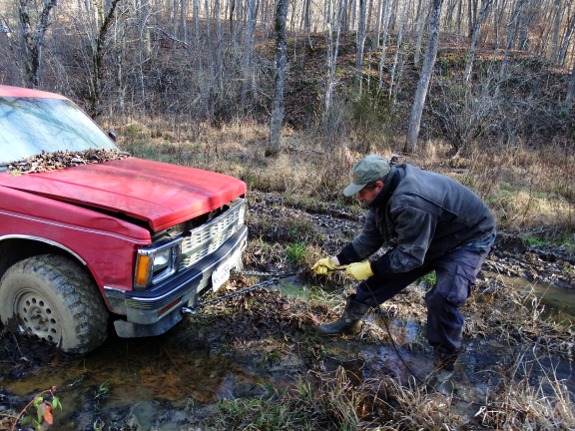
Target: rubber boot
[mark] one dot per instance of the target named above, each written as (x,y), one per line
(349,322)
(444,366)
(444,360)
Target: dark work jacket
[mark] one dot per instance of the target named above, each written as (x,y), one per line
(421,215)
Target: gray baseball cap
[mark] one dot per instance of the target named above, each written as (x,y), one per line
(367,170)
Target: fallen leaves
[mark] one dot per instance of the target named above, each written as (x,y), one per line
(47,162)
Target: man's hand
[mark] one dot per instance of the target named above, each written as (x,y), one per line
(360,270)
(325,266)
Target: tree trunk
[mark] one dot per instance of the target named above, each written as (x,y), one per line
(248,49)
(420,28)
(398,46)
(184,11)
(459,12)
(513,24)
(98,58)
(33,38)
(196,11)
(145,47)
(469,18)
(566,42)
(307,19)
(473,47)
(378,23)
(449,15)
(360,46)
(332,53)
(425,78)
(570,96)
(555,46)
(175,18)
(385,32)
(279,77)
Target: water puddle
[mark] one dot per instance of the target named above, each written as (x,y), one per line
(559,302)
(140,375)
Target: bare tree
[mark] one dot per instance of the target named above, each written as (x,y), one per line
(279,77)
(513,24)
(33,36)
(420,24)
(471,58)
(360,45)
(566,41)
(386,17)
(98,57)
(398,45)
(249,42)
(570,97)
(424,78)
(332,52)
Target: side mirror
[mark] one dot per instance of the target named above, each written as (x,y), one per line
(113,135)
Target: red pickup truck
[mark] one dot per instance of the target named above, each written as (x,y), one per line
(130,239)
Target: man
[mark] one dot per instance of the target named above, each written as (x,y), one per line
(431,223)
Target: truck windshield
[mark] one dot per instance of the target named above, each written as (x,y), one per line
(29,126)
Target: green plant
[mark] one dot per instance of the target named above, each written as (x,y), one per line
(429,280)
(271,357)
(535,241)
(98,425)
(101,394)
(297,254)
(44,403)
(132,129)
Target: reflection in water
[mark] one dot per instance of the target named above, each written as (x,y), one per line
(141,374)
(559,302)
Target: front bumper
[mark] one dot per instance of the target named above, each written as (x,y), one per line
(155,311)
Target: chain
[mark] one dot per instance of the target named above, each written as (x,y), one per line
(197,305)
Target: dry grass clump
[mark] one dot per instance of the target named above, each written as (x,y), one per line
(513,316)
(523,407)
(340,401)
(388,404)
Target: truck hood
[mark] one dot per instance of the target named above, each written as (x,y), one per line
(160,194)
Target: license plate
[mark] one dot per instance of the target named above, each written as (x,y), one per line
(220,276)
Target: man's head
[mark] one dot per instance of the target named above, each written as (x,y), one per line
(368,172)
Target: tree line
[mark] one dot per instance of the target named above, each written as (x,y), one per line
(196,60)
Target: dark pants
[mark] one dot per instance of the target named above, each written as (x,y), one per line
(455,271)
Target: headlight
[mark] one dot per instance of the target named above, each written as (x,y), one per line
(162,259)
(154,265)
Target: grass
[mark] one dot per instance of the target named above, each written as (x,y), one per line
(302,407)
(296,254)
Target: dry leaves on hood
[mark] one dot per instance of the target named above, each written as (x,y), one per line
(47,162)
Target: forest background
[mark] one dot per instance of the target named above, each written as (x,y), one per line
(334,79)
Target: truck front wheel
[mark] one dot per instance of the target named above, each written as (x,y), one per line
(54,299)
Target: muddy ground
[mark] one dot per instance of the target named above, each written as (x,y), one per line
(263,341)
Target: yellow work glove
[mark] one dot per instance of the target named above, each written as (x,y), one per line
(360,270)
(324,266)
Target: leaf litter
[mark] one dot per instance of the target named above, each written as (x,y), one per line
(47,162)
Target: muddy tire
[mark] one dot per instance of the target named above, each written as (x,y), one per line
(54,299)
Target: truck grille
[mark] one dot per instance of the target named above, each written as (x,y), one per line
(209,237)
